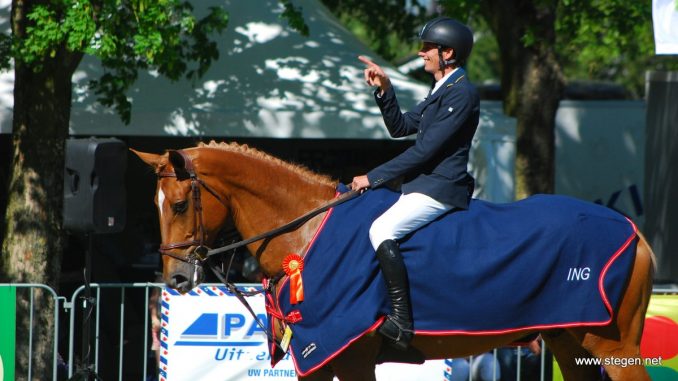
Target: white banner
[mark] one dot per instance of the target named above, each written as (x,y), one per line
(665,21)
(207,334)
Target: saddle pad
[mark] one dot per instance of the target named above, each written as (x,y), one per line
(544,262)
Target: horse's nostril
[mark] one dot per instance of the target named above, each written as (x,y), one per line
(179,282)
(178,279)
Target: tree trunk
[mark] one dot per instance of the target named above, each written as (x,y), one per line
(532,86)
(32,245)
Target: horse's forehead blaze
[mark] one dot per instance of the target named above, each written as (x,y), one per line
(167,191)
(160,200)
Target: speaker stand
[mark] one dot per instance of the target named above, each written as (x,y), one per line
(86,371)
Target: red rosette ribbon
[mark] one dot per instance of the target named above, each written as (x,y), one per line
(293,264)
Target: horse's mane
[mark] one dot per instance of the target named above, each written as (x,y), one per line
(253,152)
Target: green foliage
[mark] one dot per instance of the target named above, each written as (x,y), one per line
(127,35)
(609,40)
(484,64)
(5,51)
(52,26)
(597,40)
(460,9)
(389,27)
(159,35)
(294,17)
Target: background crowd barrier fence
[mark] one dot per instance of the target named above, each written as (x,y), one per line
(15,293)
(121,289)
(120,304)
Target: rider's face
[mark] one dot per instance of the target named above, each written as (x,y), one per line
(429,53)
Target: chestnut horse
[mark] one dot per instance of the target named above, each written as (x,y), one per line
(200,188)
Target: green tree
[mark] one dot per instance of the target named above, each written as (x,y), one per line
(531,83)
(609,41)
(543,42)
(47,42)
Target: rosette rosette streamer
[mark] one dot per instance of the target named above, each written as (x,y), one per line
(293,264)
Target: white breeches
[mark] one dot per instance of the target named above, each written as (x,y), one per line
(409,213)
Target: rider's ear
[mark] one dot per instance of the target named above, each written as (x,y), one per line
(179,163)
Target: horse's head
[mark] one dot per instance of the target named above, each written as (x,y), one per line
(191,214)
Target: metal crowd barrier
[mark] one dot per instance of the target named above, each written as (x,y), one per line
(31,306)
(97,288)
(496,373)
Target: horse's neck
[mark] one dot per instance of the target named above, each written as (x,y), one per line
(264,196)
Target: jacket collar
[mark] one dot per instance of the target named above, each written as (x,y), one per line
(457,76)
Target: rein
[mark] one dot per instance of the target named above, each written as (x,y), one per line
(288,227)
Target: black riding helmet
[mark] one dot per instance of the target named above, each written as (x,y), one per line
(448,33)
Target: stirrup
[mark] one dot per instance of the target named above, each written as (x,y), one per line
(397,335)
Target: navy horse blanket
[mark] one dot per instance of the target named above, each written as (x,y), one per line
(543,262)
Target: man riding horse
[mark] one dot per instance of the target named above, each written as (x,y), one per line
(330,331)
(434,167)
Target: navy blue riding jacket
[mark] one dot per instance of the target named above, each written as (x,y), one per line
(445,122)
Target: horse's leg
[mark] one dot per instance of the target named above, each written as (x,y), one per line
(621,359)
(618,345)
(357,362)
(566,349)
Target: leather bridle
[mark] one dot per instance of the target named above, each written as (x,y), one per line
(198,256)
(202,253)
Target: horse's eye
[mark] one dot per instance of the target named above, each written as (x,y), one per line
(180,207)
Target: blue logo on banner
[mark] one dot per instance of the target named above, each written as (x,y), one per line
(209,330)
(204,325)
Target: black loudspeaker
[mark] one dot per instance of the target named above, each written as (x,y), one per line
(94,185)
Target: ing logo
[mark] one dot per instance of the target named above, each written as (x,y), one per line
(578,273)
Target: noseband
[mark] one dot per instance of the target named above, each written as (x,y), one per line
(198,256)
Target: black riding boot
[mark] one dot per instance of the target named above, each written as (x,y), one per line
(398,325)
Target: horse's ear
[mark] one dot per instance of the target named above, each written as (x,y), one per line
(179,163)
(151,159)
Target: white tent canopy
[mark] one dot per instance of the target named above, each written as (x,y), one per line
(270,81)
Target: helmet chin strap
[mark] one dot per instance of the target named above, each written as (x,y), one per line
(442,64)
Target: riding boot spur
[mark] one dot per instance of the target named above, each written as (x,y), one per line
(397,327)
